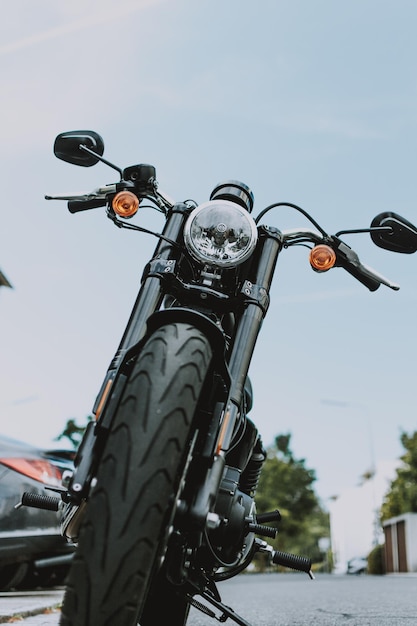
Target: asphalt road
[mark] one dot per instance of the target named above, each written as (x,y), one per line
(329,600)
(273,600)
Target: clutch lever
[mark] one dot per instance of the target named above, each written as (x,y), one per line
(101,192)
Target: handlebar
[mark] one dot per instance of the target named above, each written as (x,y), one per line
(365,276)
(98,198)
(346,257)
(349,260)
(74,206)
(83,202)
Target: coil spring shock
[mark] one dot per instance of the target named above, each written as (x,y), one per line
(250,476)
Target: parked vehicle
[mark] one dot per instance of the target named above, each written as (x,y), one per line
(357,565)
(161,504)
(32,550)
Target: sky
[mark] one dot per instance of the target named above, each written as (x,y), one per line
(313,103)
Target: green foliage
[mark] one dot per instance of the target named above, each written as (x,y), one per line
(73,432)
(287,484)
(402,496)
(376,561)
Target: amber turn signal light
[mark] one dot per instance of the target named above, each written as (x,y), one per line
(322,258)
(125,204)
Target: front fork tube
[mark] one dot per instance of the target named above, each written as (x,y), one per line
(147,302)
(256,303)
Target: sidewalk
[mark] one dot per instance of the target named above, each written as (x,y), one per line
(37,608)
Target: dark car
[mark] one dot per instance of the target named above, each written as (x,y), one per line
(33,553)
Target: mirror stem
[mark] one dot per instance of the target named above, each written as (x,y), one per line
(380,229)
(100,158)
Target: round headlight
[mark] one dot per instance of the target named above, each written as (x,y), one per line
(220,233)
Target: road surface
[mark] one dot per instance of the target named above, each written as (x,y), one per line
(273,600)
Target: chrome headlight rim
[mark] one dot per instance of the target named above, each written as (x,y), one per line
(225,206)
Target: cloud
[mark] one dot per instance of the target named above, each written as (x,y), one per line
(338,403)
(93,19)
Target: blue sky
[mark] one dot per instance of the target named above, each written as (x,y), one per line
(313,103)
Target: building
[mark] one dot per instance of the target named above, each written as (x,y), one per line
(401,543)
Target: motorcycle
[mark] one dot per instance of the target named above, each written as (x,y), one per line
(161,502)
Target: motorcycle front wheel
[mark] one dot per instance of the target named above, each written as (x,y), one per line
(124,532)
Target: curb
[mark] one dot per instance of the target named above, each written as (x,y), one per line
(16,607)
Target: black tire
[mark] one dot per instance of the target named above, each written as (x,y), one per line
(124,530)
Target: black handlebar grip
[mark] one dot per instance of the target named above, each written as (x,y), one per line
(361,274)
(349,260)
(74,206)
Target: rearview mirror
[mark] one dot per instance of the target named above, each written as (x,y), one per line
(67,147)
(402,236)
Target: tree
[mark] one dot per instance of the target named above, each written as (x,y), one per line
(287,484)
(402,496)
(73,432)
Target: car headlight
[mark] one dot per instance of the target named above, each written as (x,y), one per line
(220,233)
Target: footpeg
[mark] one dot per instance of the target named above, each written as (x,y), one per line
(264,531)
(300,563)
(272,516)
(258,527)
(38,501)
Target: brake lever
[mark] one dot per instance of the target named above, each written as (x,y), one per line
(101,192)
(382,279)
(349,260)
(89,196)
